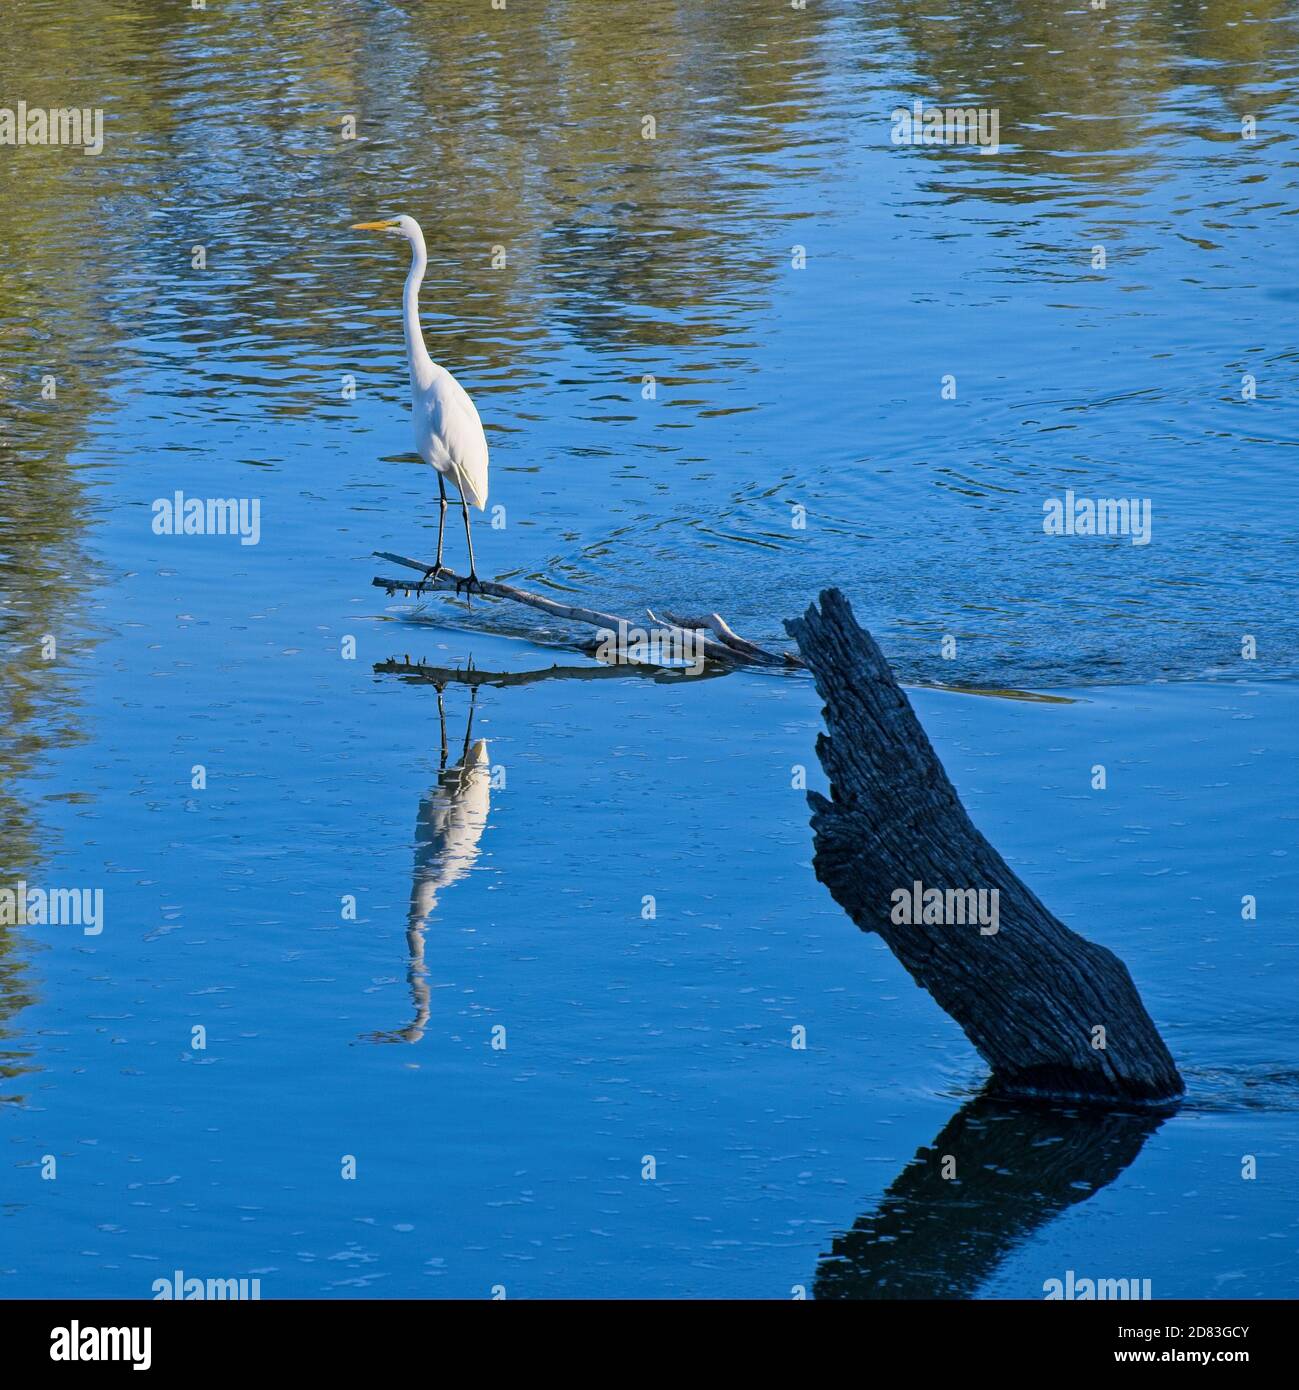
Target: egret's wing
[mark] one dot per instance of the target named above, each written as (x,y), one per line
(455,436)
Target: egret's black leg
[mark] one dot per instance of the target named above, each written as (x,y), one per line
(469,540)
(442,523)
(469,727)
(473,702)
(442,722)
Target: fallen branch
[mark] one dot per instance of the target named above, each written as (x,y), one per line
(689,634)
(1050,1012)
(721,629)
(421,673)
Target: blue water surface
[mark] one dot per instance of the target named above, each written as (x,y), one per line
(711,370)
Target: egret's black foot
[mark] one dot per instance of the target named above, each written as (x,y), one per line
(469,584)
(432,574)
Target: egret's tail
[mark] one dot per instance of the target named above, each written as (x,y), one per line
(473,490)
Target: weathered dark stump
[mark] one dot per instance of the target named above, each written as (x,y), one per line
(1032,996)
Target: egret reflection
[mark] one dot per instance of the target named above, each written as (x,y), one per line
(448,828)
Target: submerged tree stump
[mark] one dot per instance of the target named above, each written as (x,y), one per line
(1050,1012)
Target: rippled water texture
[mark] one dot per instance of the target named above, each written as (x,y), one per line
(711,368)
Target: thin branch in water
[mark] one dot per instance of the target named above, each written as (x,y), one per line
(689,635)
(419,672)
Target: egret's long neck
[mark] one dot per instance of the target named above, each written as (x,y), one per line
(421,364)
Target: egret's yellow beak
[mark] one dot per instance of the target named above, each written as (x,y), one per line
(374,226)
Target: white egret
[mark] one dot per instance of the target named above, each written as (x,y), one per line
(448,432)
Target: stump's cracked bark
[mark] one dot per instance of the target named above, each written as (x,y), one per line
(1030,996)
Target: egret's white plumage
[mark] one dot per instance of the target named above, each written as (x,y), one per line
(448,432)
(450,824)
